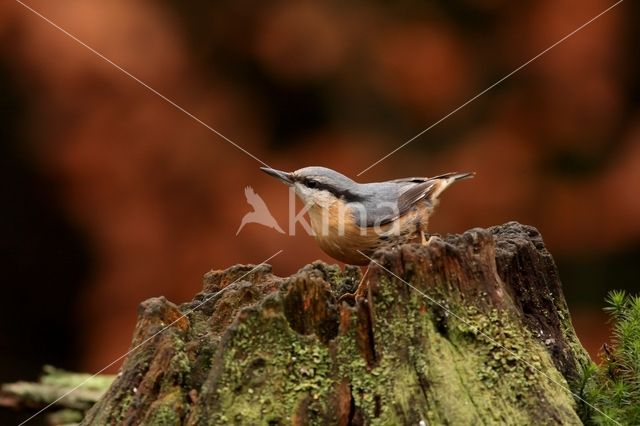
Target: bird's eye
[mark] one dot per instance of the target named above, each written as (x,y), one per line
(310,183)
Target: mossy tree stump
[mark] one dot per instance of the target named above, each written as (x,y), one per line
(483,337)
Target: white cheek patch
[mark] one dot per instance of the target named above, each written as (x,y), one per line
(302,192)
(323,199)
(314,196)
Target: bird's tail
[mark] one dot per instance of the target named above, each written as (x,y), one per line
(443,181)
(455,176)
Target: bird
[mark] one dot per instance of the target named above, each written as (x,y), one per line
(351,220)
(260,213)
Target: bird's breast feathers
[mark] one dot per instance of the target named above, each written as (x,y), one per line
(338,234)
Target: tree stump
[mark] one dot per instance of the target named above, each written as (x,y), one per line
(470,329)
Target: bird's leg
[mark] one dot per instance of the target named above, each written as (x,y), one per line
(361,289)
(420,231)
(421,227)
(359,293)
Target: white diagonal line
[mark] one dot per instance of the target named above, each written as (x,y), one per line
(188,312)
(142,83)
(493,85)
(494,341)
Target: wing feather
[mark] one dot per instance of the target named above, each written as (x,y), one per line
(414,194)
(396,197)
(399,197)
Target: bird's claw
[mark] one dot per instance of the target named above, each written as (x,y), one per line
(349,298)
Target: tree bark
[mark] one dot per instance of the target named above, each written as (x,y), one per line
(470,329)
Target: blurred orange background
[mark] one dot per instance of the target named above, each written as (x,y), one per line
(111,195)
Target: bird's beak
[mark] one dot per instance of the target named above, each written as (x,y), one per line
(283,176)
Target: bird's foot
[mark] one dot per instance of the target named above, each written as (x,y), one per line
(349,298)
(432,239)
(359,294)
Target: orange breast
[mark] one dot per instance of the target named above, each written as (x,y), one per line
(338,235)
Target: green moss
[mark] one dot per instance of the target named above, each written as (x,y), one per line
(124,406)
(65,416)
(341,281)
(353,368)
(504,346)
(62,378)
(447,368)
(502,367)
(180,365)
(450,364)
(390,392)
(164,416)
(167,410)
(268,370)
(198,324)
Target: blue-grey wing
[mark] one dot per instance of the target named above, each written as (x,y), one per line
(384,202)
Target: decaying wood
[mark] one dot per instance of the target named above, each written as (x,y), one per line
(471,329)
(61,387)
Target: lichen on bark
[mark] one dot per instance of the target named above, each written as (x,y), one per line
(470,329)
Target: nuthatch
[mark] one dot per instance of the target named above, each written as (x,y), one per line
(349,217)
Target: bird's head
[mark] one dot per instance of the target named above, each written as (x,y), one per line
(317,185)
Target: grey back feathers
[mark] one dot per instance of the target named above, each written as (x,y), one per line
(377,203)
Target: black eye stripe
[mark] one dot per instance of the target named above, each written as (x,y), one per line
(310,183)
(322,186)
